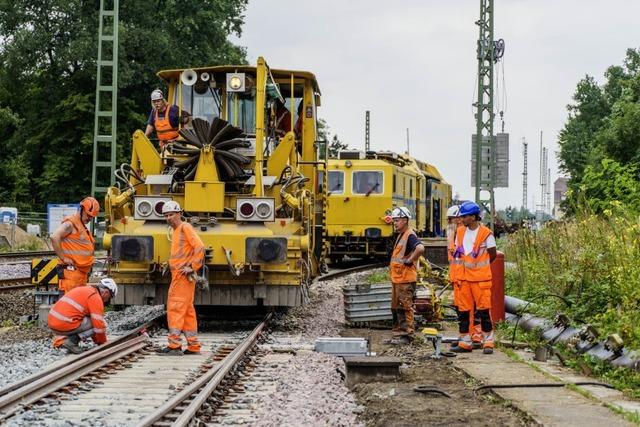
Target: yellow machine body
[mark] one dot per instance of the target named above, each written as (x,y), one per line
(363,189)
(265,260)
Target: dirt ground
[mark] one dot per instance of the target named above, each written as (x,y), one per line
(396,404)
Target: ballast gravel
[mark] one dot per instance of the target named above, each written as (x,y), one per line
(12,271)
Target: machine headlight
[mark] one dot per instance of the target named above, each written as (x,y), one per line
(158,207)
(144,208)
(263,210)
(235,82)
(246,209)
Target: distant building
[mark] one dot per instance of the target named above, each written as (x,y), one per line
(559,194)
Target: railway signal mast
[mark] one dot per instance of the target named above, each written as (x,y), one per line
(486,175)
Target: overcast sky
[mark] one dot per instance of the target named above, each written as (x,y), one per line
(412,63)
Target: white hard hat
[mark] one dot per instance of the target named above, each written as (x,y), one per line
(170,206)
(156,94)
(453,211)
(401,212)
(108,283)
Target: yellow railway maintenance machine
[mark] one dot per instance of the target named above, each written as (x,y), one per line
(362,190)
(244,171)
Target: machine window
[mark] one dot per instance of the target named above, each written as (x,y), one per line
(367,182)
(410,187)
(394,183)
(336,182)
(200,102)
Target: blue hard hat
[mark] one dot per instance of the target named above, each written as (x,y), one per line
(469,208)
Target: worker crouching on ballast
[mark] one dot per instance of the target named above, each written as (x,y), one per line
(79,315)
(187,256)
(406,252)
(476,248)
(73,243)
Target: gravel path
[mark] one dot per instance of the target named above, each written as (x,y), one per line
(14,270)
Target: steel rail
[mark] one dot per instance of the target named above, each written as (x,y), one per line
(77,357)
(347,271)
(31,393)
(7,285)
(202,388)
(26,254)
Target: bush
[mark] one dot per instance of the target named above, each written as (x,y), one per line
(591,261)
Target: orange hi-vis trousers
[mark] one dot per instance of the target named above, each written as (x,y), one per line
(475,297)
(73,279)
(181,314)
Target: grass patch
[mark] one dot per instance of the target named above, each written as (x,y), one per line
(378,277)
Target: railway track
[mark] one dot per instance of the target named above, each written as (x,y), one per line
(15,284)
(127,383)
(333,274)
(8,257)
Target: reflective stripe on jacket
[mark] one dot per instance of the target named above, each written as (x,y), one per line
(67,314)
(186,248)
(456,264)
(400,272)
(477,264)
(163,127)
(79,244)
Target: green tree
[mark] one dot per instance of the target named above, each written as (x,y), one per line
(47,80)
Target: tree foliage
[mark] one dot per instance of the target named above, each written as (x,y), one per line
(47,81)
(334,143)
(600,142)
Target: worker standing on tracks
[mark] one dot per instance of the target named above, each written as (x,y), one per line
(74,245)
(476,247)
(80,315)
(164,119)
(187,255)
(406,252)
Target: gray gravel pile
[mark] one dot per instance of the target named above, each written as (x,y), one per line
(310,392)
(324,315)
(15,304)
(10,271)
(25,358)
(131,317)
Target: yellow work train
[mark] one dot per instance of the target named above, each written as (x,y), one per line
(244,171)
(363,188)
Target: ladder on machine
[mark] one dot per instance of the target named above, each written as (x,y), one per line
(105,118)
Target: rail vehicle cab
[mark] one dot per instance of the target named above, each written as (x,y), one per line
(243,169)
(362,190)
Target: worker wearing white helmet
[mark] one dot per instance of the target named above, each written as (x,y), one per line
(406,252)
(79,315)
(164,119)
(187,256)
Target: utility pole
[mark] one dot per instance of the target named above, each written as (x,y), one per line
(106,111)
(407,141)
(525,175)
(367,141)
(488,53)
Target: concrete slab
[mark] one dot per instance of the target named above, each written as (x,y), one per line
(547,406)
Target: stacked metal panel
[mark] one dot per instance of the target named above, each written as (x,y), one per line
(367,302)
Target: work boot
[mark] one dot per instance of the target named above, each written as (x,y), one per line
(188,352)
(71,347)
(458,349)
(169,352)
(487,350)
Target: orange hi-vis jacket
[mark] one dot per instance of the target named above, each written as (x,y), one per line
(163,127)
(400,272)
(456,263)
(186,249)
(67,314)
(477,264)
(79,244)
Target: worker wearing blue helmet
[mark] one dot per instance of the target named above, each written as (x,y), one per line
(475,246)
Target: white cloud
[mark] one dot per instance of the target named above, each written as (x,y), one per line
(412,63)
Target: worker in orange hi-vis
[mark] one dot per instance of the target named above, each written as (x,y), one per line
(79,315)
(187,255)
(455,264)
(476,247)
(74,245)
